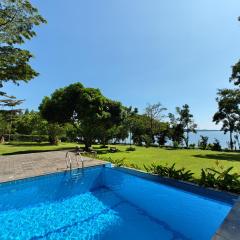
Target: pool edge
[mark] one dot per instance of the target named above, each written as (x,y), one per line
(229,228)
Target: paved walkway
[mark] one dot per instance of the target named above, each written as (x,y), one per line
(20,166)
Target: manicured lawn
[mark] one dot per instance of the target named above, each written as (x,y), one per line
(26,147)
(193,160)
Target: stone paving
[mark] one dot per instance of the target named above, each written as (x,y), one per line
(230,228)
(21,166)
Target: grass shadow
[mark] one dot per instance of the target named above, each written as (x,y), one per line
(220,156)
(28,144)
(34,151)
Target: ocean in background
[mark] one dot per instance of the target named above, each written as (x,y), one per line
(195,137)
(212,135)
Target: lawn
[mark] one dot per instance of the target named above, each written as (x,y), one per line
(193,160)
(29,147)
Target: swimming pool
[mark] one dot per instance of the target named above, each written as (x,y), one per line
(105,203)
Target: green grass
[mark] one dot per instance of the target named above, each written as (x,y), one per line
(193,160)
(26,147)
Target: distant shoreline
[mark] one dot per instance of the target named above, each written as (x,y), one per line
(209,130)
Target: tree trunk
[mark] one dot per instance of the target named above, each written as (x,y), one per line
(88,144)
(187,139)
(231,140)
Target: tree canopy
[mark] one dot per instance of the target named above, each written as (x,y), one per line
(17,21)
(228,111)
(86,108)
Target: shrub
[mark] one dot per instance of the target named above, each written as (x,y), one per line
(171,172)
(175,144)
(222,179)
(192,146)
(26,138)
(130,149)
(116,162)
(103,146)
(132,165)
(203,142)
(216,145)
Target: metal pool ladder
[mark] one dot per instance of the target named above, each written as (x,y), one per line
(77,155)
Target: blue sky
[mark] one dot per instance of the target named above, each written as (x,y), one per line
(137,52)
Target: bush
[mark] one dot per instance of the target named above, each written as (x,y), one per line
(26,138)
(192,146)
(103,146)
(222,179)
(171,172)
(132,165)
(203,142)
(216,146)
(175,144)
(129,149)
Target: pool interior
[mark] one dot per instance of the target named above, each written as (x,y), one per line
(104,203)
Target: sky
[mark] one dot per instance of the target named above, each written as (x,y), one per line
(138,52)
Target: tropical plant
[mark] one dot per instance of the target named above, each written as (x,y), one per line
(171,172)
(203,142)
(228,111)
(221,179)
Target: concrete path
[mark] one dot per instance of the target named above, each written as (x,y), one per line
(20,166)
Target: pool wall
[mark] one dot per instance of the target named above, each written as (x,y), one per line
(230,227)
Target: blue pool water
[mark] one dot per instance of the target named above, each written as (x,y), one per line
(104,203)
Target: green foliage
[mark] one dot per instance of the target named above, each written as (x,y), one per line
(216,146)
(192,146)
(228,111)
(176,132)
(203,142)
(17,20)
(235,77)
(54,132)
(116,162)
(221,179)
(86,108)
(27,138)
(31,123)
(130,149)
(171,172)
(154,115)
(175,144)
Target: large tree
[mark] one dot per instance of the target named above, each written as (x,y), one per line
(154,112)
(228,111)
(187,122)
(17,21)
(89,111)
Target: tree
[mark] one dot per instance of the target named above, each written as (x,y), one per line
(187,122)
(31,123)
(235,77)
(228,111)
(11,112)
(163,133)
(203,142)
(17,20)
(176,129)
(86,108)
(154,113)
(129,115)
